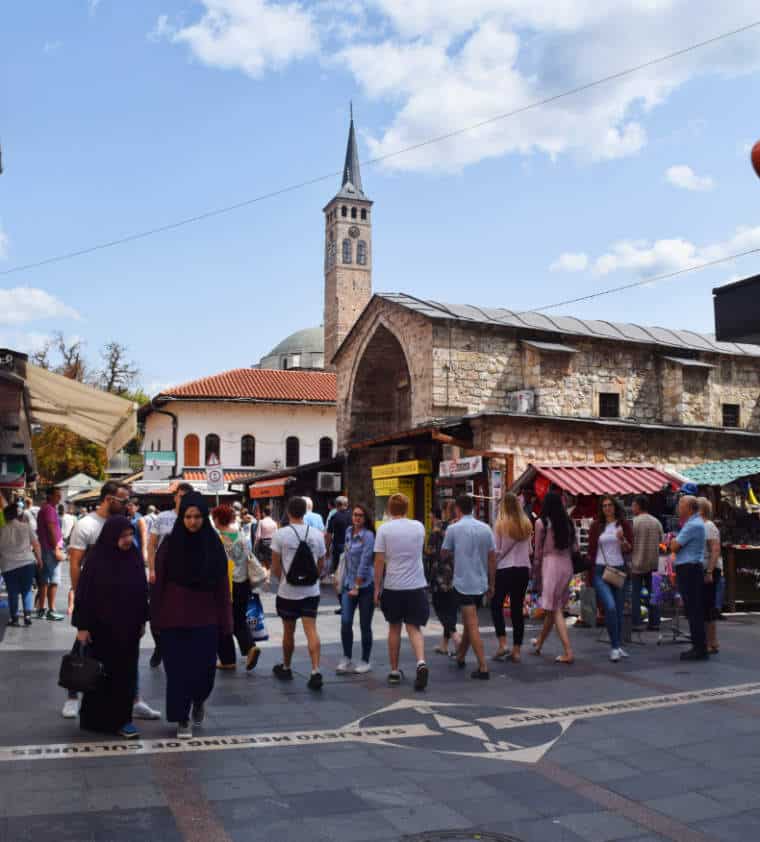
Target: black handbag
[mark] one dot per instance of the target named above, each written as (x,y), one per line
(580,563)
(80,672)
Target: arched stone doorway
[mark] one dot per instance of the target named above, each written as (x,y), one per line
(381,398)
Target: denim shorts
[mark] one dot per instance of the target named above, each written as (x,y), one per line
(51,568)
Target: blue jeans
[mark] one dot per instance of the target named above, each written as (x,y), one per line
(366,604)
(613,600)
(637,580)
(19,584)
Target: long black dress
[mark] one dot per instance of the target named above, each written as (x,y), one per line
(112,605)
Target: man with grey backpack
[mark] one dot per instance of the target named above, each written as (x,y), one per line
(298,557)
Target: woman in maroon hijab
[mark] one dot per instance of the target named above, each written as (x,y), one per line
(111,612)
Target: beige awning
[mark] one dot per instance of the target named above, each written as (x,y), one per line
(99,416)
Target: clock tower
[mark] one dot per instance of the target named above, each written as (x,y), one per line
(348,253)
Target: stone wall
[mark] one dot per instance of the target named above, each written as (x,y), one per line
(475,367)
(538,440)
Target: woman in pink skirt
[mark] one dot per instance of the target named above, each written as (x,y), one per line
(555,539)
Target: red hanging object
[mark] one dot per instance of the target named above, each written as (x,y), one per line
(755,157)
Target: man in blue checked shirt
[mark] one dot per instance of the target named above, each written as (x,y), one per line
(689,547)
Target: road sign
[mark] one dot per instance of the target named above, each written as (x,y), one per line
(214,475)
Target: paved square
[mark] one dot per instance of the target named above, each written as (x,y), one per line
(647,749)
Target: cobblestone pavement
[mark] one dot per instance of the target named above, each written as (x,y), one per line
(638,751)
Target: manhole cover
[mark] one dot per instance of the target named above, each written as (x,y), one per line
(460,836)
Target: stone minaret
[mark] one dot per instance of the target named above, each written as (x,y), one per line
(348,253)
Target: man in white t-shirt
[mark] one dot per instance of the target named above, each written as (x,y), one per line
(160,528)
(398,555)
(298,602)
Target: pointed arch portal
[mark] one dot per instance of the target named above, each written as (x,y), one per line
(381,399)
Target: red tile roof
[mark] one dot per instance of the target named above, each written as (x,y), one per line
(261,385)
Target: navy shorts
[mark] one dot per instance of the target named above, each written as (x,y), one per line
(410,607)
(469,599)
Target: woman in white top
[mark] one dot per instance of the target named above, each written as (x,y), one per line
(713,567)
(513,532)
(19,550)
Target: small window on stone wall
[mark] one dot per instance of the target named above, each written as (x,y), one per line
(726,372)
(694,380)
(609,405)
(731,414)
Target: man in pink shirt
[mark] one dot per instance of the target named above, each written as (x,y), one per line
(51,544)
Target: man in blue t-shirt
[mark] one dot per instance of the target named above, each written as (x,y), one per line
(471,545)
(689,547)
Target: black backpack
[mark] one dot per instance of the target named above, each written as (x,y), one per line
(303,571)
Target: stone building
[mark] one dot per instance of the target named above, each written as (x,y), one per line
(540,388)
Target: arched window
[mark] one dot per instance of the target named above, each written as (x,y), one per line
(344,211)
(248,451)
(325,448)
(292,452)
(353,213)
(364,213)
(346,251)
(192,451)
(212,446)
(361,253)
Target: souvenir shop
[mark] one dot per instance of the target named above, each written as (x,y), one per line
(733,487)
(582,486)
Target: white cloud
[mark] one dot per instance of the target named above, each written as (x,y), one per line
(50,47)
(447,64)
(442,65)
(27,304)
(247,35)
(570,262)
(684,177)
(667,255)
(25,341)
(4,244)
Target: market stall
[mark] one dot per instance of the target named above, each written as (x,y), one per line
(733,486)
(583,484)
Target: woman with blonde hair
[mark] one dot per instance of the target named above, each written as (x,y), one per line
(513,532)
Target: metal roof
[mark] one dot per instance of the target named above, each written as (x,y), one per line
(601,478)
(571,326)
(687,363)
(722,473)
(552,347)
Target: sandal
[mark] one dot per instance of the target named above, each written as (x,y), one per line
(500,655)
(439,651)
(515,657)
(713,650)
(536,647)
(564,659)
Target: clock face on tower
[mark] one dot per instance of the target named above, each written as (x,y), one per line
(353,231)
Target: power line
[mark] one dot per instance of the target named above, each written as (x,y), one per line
(140,235)
(694,268)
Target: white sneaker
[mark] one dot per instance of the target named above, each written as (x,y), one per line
(623,653)
(142,710)
(70,709)
(614,655)
(345,666)
(362,667)
(184,731)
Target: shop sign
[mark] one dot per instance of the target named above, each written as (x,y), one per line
(214,475)
(160,458)
(267,490)
(402,469)
(465,467)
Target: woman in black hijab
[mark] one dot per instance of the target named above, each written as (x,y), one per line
(190,605)
(111,612)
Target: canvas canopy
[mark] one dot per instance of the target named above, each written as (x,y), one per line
(99,416)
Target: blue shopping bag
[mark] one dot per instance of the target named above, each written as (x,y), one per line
(255,617)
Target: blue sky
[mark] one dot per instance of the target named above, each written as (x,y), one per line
(116,117)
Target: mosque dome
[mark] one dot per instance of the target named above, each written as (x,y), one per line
(302,349)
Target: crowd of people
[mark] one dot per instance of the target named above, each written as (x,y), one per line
(189,574)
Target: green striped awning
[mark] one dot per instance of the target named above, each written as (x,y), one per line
(721,473)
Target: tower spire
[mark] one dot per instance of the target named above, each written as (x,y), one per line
(351,170)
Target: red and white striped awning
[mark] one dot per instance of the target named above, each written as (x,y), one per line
(601,478)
